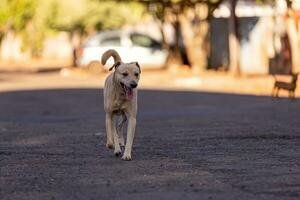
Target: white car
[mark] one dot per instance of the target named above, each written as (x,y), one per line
(132,46)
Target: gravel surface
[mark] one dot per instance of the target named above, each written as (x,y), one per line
(188,145)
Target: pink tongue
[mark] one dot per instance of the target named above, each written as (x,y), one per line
(128,93)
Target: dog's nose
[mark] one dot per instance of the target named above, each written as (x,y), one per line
(133,84)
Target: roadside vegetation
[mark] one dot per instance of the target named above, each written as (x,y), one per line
(34,20)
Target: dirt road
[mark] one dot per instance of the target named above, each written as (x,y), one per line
(188,145)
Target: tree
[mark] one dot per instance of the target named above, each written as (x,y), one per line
(34,20)
(192,17)
(189,19)
(234,44)
(25,18)
(15,15)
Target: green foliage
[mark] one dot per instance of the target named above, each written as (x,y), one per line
(160,7)
(111,14)
(271,2)
(4,15)
(93,14)
(70,15)
(16,13)
(35,19)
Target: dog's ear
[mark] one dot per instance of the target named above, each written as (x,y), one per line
(137,64)
(115,65)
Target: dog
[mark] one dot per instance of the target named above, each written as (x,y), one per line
(120,103)
(291,87)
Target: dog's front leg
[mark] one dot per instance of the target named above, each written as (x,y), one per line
(120,129)
(129,139)
(116,138)
(109,130)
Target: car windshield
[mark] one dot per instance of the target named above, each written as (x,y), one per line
(111,41)
(143,41)
(108,41)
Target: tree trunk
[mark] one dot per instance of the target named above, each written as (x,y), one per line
(234,44)
(195,35)
(160,24)
(175,56)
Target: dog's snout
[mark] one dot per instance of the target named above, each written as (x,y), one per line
(133,84)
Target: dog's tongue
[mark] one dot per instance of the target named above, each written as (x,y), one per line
(128,93)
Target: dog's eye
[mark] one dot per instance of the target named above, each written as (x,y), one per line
(125,74)
(136,74)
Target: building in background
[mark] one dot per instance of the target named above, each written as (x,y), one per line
(268,37)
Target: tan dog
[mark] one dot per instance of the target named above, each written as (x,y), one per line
(120,100)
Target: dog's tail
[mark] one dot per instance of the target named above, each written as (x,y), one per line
(107,54)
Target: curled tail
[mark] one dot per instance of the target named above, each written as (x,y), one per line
(107,54)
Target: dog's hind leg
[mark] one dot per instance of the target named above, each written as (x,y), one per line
(117,150)
(120,128)
(109,130)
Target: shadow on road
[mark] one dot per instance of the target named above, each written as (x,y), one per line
(187,144)
(33,71)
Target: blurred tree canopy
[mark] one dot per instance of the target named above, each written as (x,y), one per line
(89,15)
(189,19)
(35,19)
(16,14)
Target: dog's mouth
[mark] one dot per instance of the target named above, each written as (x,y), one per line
(128,91)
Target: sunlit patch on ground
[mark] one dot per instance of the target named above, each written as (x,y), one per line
(188,82)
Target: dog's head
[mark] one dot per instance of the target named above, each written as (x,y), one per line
(128,76)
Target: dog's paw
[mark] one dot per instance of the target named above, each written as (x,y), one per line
(118,153)
(110,145)
(126,157)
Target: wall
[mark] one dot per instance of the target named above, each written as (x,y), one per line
(256,44)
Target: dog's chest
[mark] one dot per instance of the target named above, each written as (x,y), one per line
(118,107)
